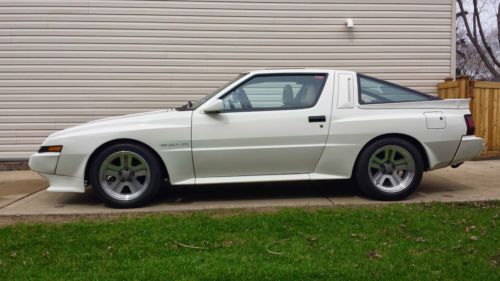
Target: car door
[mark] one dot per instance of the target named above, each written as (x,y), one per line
(271,124)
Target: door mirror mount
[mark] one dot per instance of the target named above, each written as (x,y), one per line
(215,107)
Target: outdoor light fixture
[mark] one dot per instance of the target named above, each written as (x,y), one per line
(349,23)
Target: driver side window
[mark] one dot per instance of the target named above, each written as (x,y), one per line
(283,91)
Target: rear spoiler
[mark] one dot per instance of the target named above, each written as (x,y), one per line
(431,104)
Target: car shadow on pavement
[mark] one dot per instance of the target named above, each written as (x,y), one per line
(332,190)
(179,195)
(255,191)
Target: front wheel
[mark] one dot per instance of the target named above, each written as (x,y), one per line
(389,169)
(126,175)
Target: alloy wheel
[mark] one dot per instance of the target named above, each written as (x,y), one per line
(391,168)
(124,175)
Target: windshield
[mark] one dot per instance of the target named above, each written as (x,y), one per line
(193,105)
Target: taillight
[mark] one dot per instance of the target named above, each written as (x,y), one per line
(470,124)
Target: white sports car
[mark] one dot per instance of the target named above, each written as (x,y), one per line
(270,125)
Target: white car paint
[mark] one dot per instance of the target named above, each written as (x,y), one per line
(201,148)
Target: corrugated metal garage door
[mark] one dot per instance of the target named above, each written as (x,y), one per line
(64,62)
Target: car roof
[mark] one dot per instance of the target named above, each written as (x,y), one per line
(294,70)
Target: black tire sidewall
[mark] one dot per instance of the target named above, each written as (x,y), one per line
(363,179)
(156,176)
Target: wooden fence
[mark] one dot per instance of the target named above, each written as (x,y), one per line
(484,105)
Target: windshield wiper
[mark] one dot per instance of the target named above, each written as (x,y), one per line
(186,106)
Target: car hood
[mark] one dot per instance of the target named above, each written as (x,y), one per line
(128,117)
(125,123)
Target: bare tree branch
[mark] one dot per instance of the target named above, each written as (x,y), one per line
(480,51)
(498,22)
(474,25)
(461,14)
(481,32)
(468,61)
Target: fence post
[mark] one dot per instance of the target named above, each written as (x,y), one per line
(463,87)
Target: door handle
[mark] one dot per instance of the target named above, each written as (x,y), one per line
(320,118)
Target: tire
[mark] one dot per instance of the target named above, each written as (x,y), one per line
(389,169)
(126,175)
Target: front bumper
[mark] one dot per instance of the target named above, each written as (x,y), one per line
(470,147)
(45,162)
(59,183)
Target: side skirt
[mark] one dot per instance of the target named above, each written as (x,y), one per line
(260,178)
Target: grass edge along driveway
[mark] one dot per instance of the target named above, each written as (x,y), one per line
(438,241)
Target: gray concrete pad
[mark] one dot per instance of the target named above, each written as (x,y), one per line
(15,185)
(474,181)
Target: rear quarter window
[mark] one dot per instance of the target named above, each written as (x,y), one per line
(373,90)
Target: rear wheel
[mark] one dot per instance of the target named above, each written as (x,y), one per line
(126,175)
(389,169)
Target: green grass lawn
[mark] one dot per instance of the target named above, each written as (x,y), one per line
(395,242)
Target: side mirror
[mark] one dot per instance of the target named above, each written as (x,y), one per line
(215,107)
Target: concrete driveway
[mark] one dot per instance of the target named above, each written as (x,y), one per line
(23,193)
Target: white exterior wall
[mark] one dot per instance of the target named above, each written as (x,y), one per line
(64,62)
